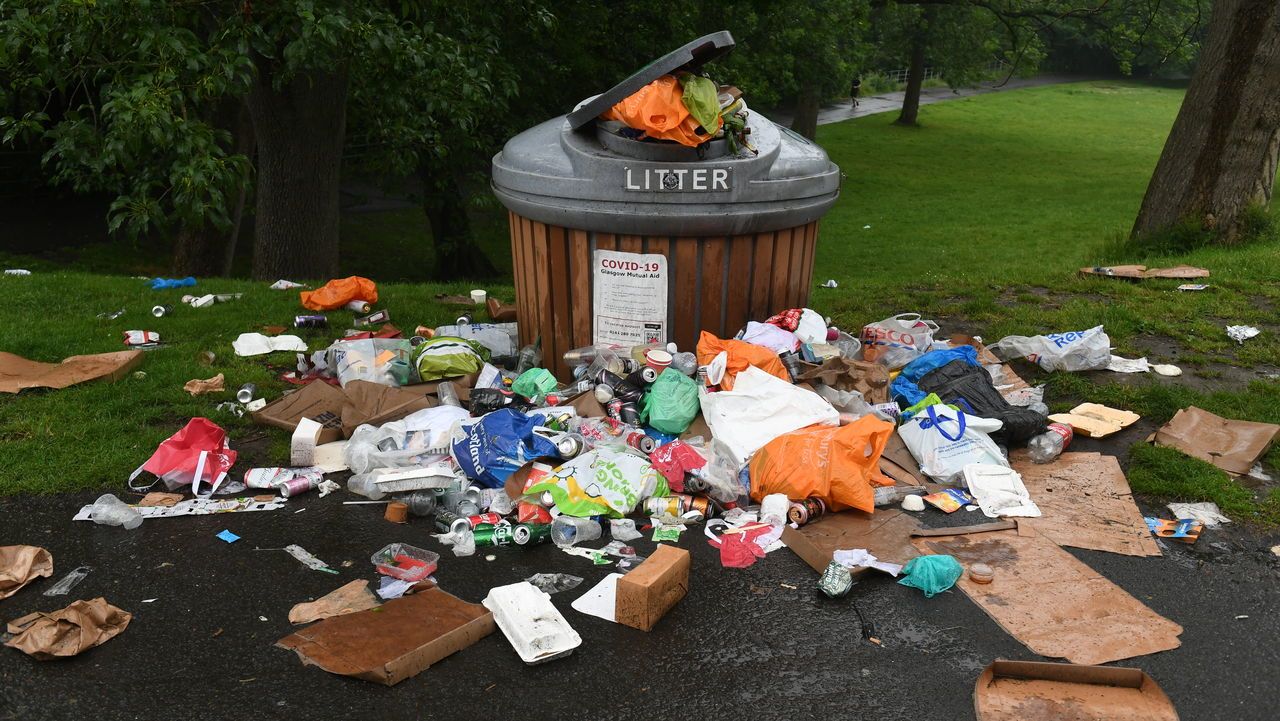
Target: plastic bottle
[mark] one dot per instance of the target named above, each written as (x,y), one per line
(111,511)
(421,503)
(891,495)
(530,357)
(1050,444)
(447,394)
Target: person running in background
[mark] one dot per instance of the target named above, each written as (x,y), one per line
(854,88)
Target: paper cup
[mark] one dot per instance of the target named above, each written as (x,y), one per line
(478,296)
(659,360)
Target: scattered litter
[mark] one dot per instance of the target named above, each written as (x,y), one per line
(197,454)
(1109,521)
(197,387)
(1207,513)
(999,491)
(195,507)
(253,344)
(111,511)
(913,503)
(168,283)
(1093,420)
(1085,350)
(535,629)
(351,598)
(20,565)
(17,271)
(1165,369)
(1128,365)
(1006,690)
(308,560)
(228,536)
(18,373)
(1241,333)
(111,315)
(68,582)
(860,558)
(1185,530)
(389,588)
(1234,446)
(830,284)
(601,601)
(649,591)
(283,284)
(69,631)
(931,574)
(395,641)
(153,600)
(1241,618)
(1142,272)
(550,583)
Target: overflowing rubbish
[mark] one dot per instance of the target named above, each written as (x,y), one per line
(18,373)
(20,565)
(69,631)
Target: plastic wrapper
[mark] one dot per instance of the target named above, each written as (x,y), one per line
(417,439)
(1074,351)
(377,360)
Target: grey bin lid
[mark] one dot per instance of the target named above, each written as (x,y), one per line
(562,172)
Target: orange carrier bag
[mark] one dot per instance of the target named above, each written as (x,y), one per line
(741,355)
(337,293)
(658,109)
(837,464)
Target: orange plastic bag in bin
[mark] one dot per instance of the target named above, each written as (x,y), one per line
(337,293)
(837,464)
(741,355)
(658,109)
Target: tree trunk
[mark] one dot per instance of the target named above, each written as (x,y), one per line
(457,256)
(807,105)
(915,75)
(206,250)
(1220,156)
(299,129)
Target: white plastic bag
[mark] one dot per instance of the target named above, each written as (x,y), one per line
(944,441)
(1085,350)
(369,359)
(420,438)
(896,341)
(761,407)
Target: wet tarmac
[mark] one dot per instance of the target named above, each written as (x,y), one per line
(758,642)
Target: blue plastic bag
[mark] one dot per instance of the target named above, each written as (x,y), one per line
(499,443)
(931,574)
(904,389)
(164,283)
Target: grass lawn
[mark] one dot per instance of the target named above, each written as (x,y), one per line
(979,219)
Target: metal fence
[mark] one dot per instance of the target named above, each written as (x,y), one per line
(900,76)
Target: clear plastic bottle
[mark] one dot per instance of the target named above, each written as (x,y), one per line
(1050,444)
(448,394)
(111,511)
(530,357)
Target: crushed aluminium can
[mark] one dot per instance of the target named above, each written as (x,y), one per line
(836,581)
(310,321)
(161,311)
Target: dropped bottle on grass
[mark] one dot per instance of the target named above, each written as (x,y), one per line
(1050,444)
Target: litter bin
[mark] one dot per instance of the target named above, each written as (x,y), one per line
(616,239)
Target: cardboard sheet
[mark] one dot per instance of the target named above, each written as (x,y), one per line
(375,404)
(317,400)
(198,387)
(869,379)
(897,463)
(1142,272)
(398,640)
(69,631)
(17,373)
(1086,503)
(353,597)
(1037,691)
(1233,446)
(20,565)
(1050,601)
(885,535)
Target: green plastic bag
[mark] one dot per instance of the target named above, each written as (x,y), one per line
(448,357)
(671,403)
(534,383)
(702,100)
(932,574)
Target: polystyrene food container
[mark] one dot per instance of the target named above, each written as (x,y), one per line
(405,562)
(534,627)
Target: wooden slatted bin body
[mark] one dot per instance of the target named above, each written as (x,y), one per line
(716,283)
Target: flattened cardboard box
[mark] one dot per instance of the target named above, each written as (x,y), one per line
(1033,690)
(886,534)
(17,373)
(652,588)
(395,641)
(317,400)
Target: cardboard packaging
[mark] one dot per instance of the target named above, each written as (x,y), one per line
(652,588)
(885,534)
(17,373)
(1036,691)
(1233,446)
(69,631)
(1092,420)
(1142,272)
(398,640)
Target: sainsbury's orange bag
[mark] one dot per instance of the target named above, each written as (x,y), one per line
(740,355)
(836,464)
(339,292)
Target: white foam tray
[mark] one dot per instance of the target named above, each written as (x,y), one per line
(536,630)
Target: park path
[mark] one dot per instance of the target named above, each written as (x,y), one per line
(892,102)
